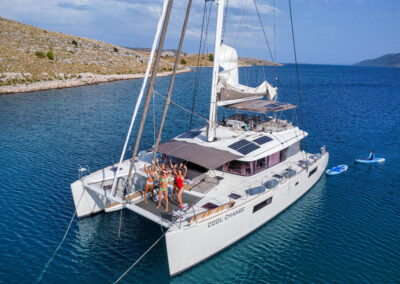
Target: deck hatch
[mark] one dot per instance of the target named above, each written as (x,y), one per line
(234,196)
(262,140)
(209,206)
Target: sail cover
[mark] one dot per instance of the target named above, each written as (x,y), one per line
(229,90)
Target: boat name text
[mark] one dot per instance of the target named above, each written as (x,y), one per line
(226,217)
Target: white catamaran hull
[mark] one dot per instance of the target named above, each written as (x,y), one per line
(187,248)
(86,202)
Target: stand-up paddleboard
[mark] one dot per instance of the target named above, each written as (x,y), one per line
(336,170)
(373,161)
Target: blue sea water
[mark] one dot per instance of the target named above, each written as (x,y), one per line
(346,229)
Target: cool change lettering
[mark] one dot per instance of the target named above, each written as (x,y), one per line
(226,217)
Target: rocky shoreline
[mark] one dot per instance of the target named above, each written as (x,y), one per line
(83,79)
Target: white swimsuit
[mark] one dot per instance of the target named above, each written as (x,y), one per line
(149,182)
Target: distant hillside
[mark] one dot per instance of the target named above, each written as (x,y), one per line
(388,60)
(29,54)
(205,59)
(34,59)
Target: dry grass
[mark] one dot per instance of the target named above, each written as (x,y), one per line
(19,62)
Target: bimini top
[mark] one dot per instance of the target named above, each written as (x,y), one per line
(262,106)
(207,157)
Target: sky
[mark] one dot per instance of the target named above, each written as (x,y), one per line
(326,31)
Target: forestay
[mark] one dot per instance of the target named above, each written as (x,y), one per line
(228,88)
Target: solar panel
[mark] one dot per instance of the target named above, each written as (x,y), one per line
(248,148)
(262,140)
(239,144)
(190,134)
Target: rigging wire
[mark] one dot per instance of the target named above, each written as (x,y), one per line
(274,30)
(270,52)
(183,108)
(243,9)
(274,62)
(242,13)
(140,258)
(225,19)
(199,61)
(62,241)
(149,249)
(297,68)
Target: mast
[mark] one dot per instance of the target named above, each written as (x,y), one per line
(171,85)
(213,101)
(150,89)
(149,63)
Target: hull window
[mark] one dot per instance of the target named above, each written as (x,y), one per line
(312,172)
(262,204)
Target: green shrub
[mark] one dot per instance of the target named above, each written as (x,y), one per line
(211,57)
(115,49)
(50,55)
(40,54)
(183,61)
(74,42)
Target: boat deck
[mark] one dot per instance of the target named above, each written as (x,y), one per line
(151,206)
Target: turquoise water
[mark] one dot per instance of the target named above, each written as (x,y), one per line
(346,229)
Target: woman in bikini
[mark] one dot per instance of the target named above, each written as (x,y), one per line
(164,178)
(174,168)
(179,178)
(149,170)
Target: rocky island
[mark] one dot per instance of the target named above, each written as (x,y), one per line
(34,59)
(388,60)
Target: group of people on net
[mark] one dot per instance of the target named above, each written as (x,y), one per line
(164,176)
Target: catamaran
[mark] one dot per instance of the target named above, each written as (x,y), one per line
(242,171)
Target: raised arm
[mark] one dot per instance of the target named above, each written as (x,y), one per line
(158,165)
(153,166)
(184,174)
(145,168)
(173,168)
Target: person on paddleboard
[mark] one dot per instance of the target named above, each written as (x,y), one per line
(371,155)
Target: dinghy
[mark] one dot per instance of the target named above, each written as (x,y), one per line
(336,170)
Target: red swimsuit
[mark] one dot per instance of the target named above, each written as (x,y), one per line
(179,182)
